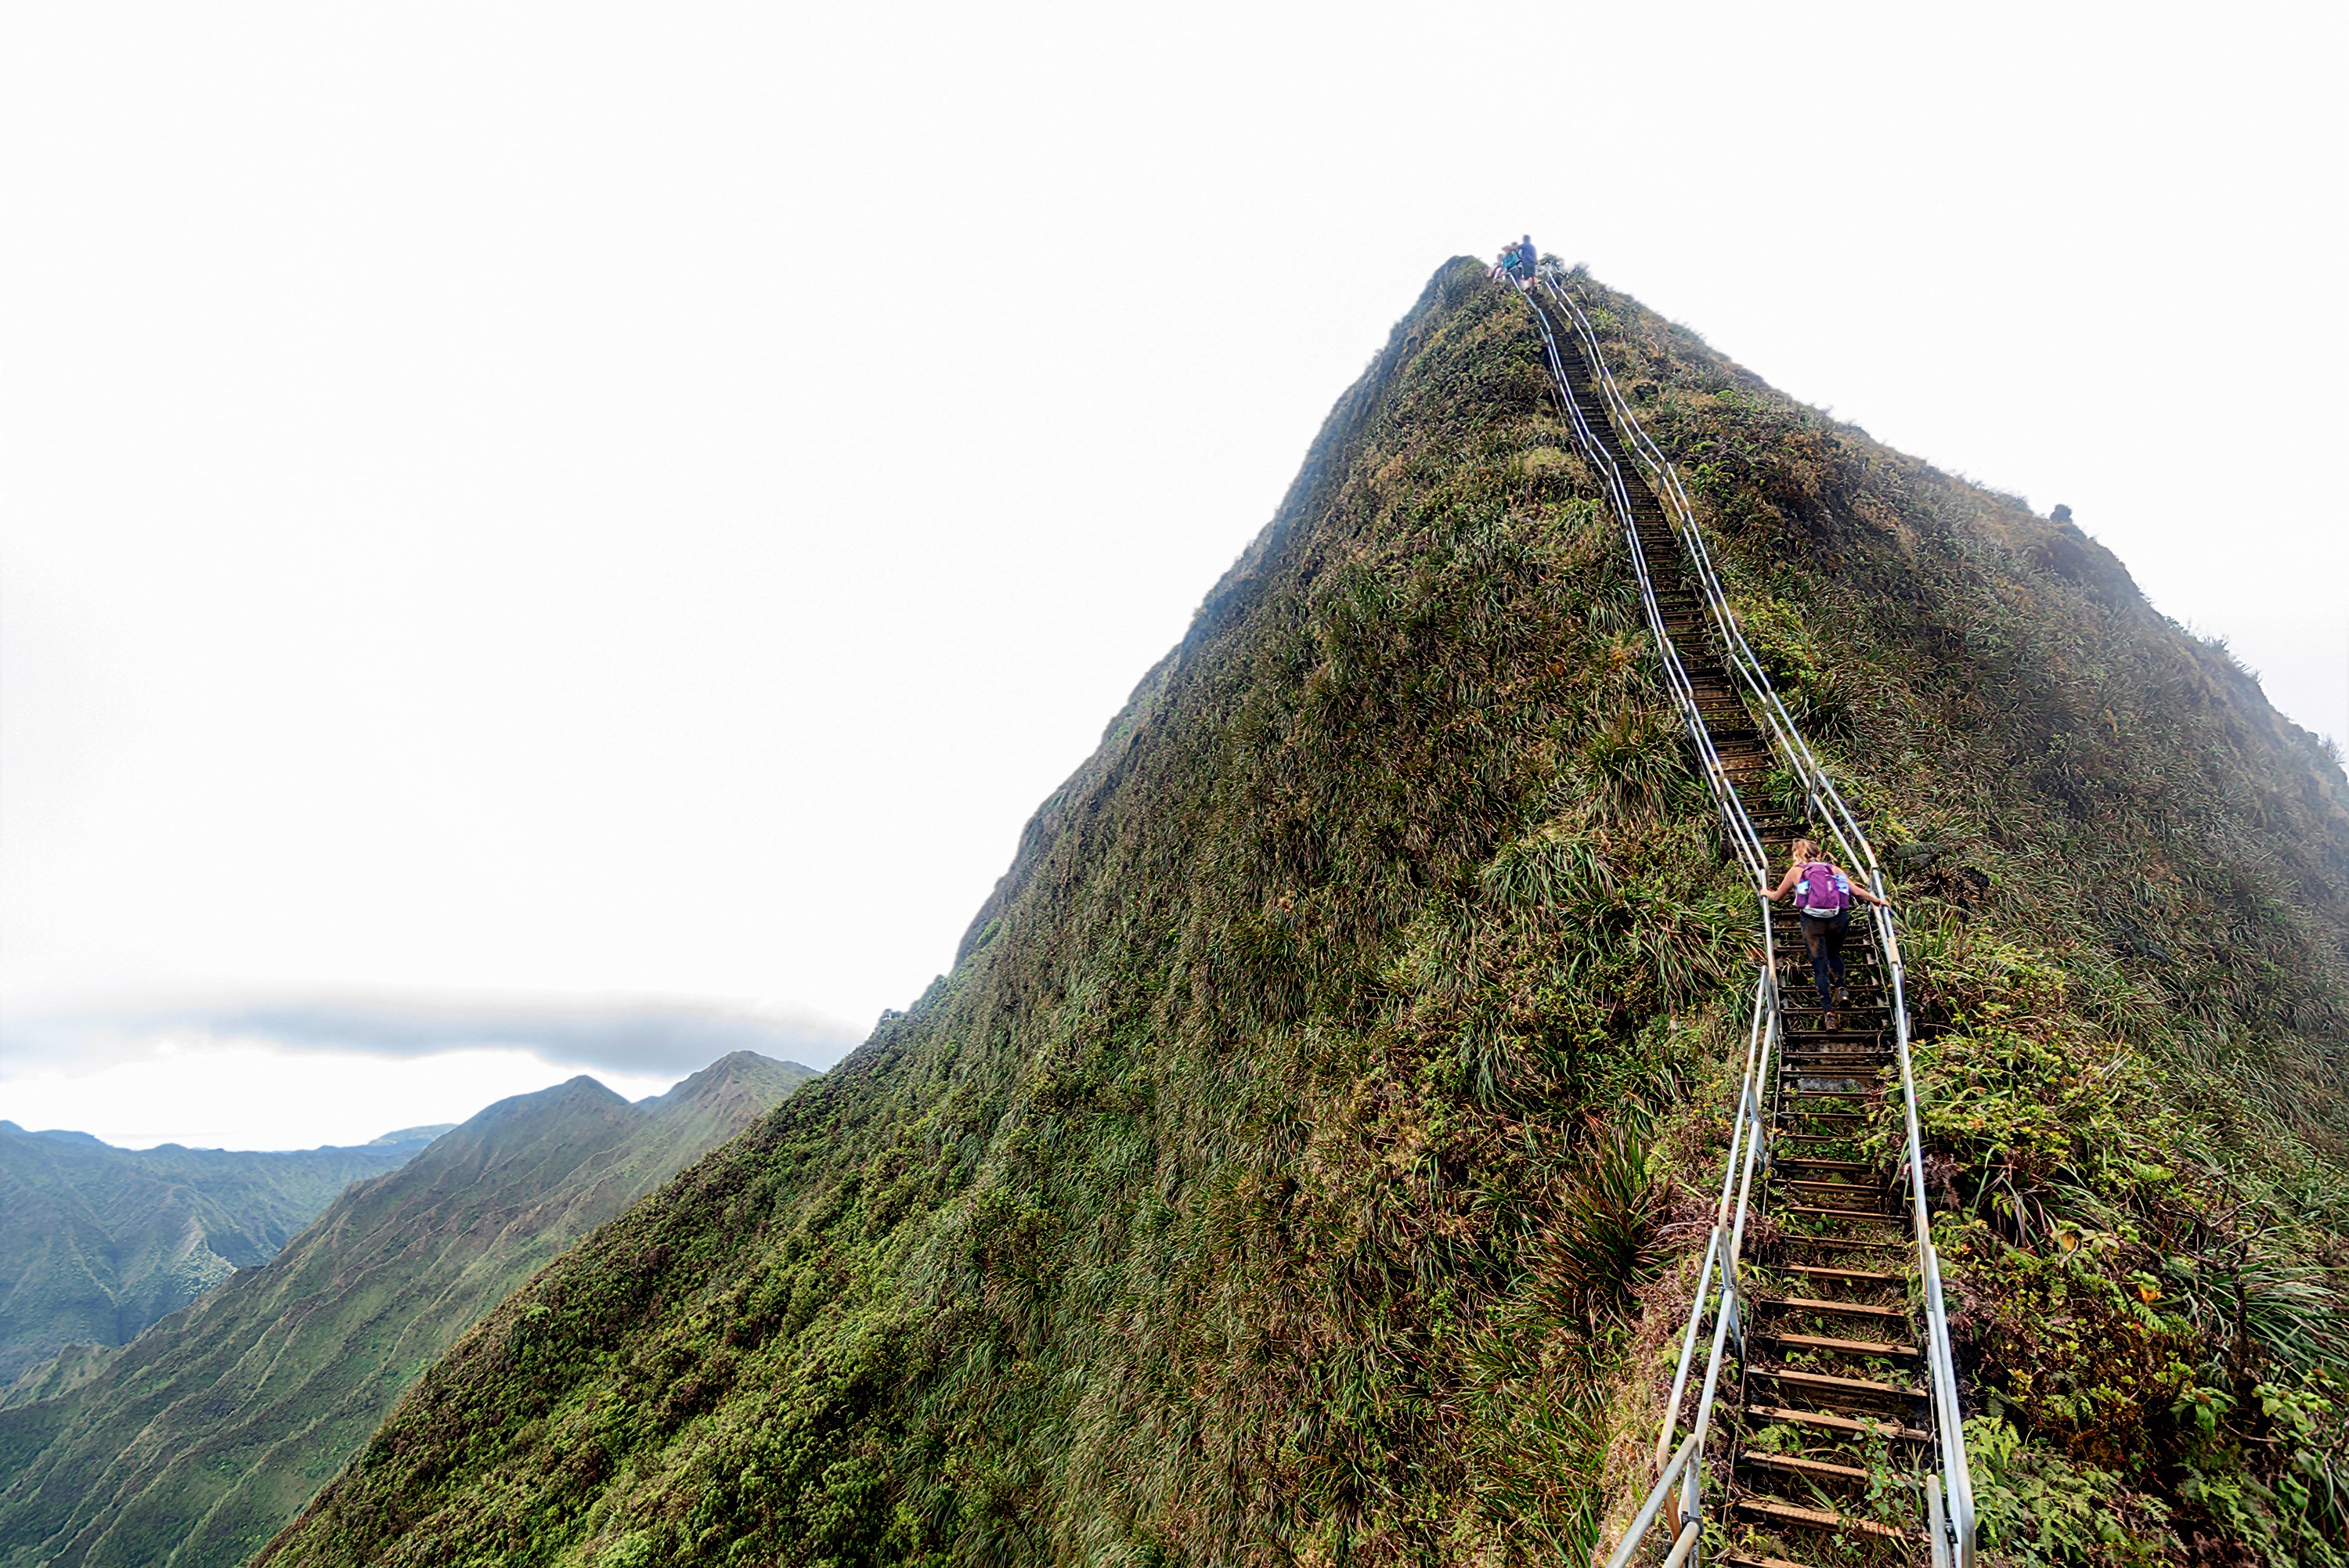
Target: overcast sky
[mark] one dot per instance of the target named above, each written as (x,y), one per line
(557,507)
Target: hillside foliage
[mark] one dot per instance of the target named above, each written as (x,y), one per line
(199,1440)
(97,1243)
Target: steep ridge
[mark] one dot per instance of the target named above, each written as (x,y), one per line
(1303,1160)
(97,1243)
(203,1437)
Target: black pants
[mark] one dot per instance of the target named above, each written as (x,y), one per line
(1824,935)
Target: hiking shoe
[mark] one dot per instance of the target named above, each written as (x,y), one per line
(1843,995)
(1831,1020)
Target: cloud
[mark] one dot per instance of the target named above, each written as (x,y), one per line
(641,1037)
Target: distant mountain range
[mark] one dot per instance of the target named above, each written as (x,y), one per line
(97,1243)
(196,1442)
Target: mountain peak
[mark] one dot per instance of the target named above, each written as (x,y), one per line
(733,1073)
(60,1134)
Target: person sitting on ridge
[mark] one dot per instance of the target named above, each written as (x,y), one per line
(1824,906)
(1507,267)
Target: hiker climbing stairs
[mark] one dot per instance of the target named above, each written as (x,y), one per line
(1832,1446)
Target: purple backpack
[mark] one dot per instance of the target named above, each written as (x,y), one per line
(1824,889)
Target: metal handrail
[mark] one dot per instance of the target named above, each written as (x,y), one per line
(1748,1126)
(1951,1527)
(1739,830)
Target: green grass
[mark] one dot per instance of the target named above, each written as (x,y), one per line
(1297,1165)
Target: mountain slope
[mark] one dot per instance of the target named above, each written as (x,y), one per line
(205,1434)
(1295,1166)
(97,1243)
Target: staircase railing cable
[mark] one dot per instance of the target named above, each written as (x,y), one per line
(1748,1124)
(1951,1502)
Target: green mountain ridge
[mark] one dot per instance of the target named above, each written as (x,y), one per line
(425,1134)
(200,1439)
(97,1241)
(1307,1157)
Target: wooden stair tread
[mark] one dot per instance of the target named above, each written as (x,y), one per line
(1843,1213)
(1840,1308)
(1838,1346)
(1824,1273)
(1828,1383)
(1847,1425)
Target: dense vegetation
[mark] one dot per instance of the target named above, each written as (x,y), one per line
(1296,1164)
(205,1435)
(97,1243)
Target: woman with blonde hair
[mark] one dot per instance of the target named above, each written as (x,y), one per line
(1824,906)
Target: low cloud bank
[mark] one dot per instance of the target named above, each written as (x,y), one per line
(655,1038)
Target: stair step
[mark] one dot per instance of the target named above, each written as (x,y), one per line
(1844,1387)
(1843,1244)
(1840,1272)
(1834,1189)
(1837,1347)
(1788,1462)
(1833,1308)
(1842,1426)
(1818,1519)
(1877,1215)
(1812,1163)
(1744,1560)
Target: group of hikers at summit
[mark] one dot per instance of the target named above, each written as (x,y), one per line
(1824,906)
(1519,262)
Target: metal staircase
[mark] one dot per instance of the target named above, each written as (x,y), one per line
(1827,1412)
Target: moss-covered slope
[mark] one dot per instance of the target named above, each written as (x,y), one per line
(1296,1164)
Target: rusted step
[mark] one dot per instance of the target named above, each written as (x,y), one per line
(1818,1519)
(1813,1163)
(1745,1559)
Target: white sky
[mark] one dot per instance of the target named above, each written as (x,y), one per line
(577,501)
